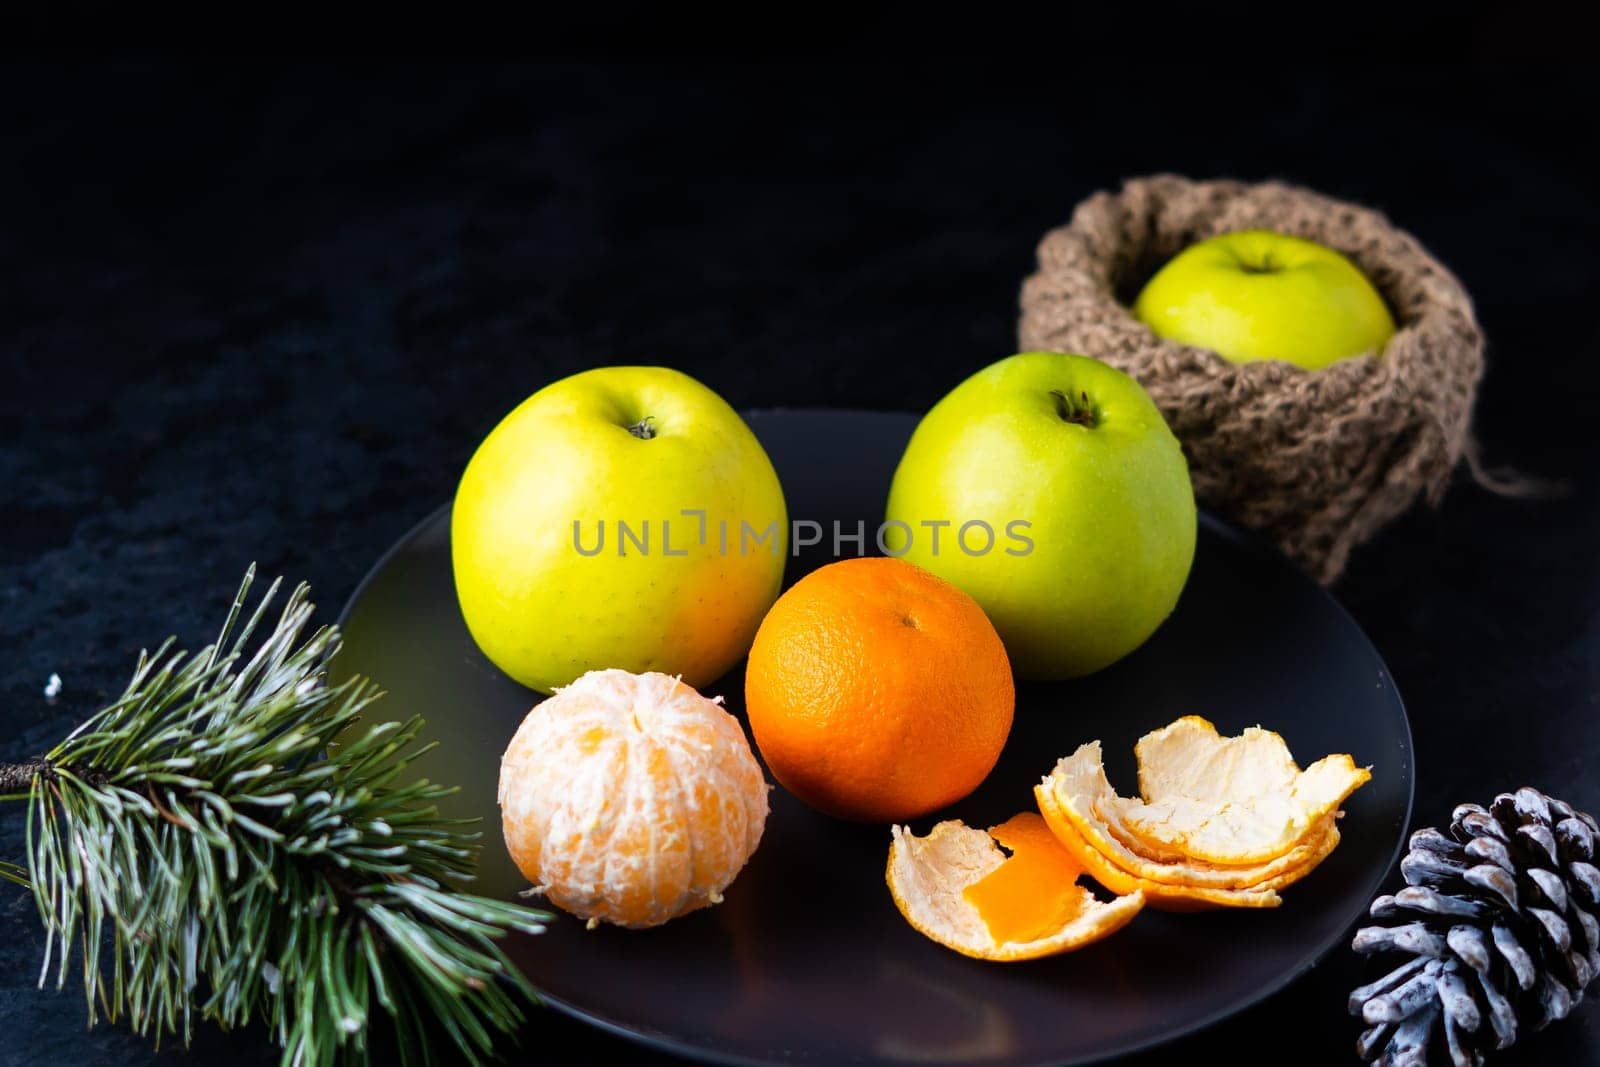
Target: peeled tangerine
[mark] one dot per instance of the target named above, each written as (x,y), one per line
(1222,821)
(957,887)
(630,798)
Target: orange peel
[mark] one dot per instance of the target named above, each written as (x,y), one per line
(1222,821)
(958,888)
(1160,895)
(1078,785)
(1230,800)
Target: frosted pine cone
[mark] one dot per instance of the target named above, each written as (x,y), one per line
(1495,932)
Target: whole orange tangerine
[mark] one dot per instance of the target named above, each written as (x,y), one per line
(630,798)
(878,692)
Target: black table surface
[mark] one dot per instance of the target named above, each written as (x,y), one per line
(254,312)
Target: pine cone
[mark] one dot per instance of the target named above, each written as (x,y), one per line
(1498,924)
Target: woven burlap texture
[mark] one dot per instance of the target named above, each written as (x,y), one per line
(1319,460)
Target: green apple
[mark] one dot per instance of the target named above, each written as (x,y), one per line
(1049,487)
(1255,295)
(622,517)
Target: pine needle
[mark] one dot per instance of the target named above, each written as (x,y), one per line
(245,851)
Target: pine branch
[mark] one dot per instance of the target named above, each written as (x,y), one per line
(16,779)
(255,856)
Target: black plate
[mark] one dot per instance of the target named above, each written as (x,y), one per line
(807,960)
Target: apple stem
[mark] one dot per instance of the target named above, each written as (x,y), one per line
(1075,410)
(644,429)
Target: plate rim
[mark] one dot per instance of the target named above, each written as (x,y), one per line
(1218,525)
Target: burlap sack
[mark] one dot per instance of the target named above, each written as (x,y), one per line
(1315,460)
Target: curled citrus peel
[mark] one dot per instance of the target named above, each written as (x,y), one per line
(1160,895)
(1223,822)
(1231,800)
(957,887)
(1079,787)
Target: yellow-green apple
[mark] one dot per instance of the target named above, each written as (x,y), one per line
(621,517)
(1256,294)
(1049,487)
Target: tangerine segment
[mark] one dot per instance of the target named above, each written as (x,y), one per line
(1035,891)
(1085,797)
(1160,895)
(929,878)
(1230,800)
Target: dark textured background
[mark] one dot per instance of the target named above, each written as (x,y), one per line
(258,312)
